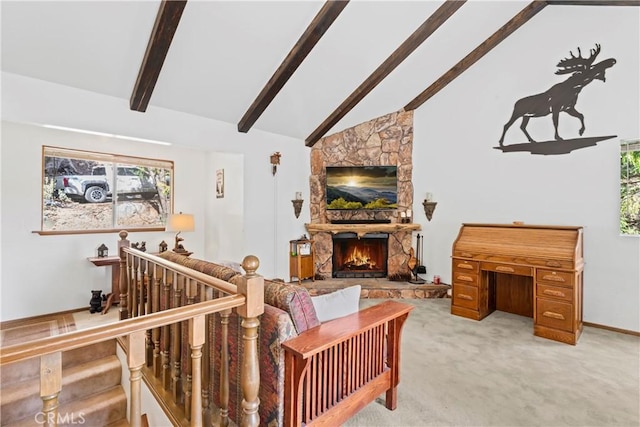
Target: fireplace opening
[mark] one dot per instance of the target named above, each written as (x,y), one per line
(364,257)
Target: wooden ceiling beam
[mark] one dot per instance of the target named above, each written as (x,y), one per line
(423,32)
(594,2)
(316,29)
(516,22)
(164,28)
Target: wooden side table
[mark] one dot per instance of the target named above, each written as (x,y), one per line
(301,260)
(114,262)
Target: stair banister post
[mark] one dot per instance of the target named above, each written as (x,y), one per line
(252,287)
(224,367)
(176,342)
(50,387)
(196,341)
(135,361)
(123,282)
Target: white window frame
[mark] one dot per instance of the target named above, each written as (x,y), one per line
(155,183)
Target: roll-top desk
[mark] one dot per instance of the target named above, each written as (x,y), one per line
(530,270)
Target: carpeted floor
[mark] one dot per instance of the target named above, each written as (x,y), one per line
(460,372)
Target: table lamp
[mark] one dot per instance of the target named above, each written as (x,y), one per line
(180,222)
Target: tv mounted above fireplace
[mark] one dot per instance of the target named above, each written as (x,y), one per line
(362,187)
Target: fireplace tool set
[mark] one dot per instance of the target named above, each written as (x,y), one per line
(415,262)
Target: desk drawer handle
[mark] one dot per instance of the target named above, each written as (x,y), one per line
(465,296)
(553,264)
(465,278)
(466,254)
(503,268)
(553,277)
(554,293)
(466,266)
(553,315)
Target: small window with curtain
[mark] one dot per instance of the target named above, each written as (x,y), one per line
(83,191)
(630,187)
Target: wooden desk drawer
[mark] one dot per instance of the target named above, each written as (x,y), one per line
(554,314)
(466,278)
(464,265)
(465,296)
(519,270)
(554,292)
(554,277)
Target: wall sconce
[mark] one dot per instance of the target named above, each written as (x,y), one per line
(429,207)
(297,204)
(180,222)
(275,161)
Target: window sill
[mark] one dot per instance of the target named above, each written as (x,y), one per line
(106,230)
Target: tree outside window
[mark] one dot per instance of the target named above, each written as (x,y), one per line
(630,187)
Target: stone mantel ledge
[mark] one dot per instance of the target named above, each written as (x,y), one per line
(361,229)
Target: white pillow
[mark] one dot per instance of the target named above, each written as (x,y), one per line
(230,264)
(337,304)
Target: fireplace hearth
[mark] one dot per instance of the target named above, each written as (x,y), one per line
(355,257)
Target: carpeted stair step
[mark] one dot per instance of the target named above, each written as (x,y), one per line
(30,369)
(101,409)
(22,400)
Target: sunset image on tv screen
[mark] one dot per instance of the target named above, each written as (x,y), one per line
(363,187)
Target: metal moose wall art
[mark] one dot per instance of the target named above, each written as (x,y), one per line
(561,97)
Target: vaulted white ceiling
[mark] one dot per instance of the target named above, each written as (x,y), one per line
(224,52)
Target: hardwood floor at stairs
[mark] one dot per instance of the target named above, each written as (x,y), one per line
(91,390)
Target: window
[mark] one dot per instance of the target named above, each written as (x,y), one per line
(80,192)
(630,187)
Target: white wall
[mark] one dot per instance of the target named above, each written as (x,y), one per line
(225,228)
(55,269)
(454,156)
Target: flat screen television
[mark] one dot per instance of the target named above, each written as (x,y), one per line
(362,187)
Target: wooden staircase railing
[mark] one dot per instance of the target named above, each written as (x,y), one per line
(154,285)
(159,329)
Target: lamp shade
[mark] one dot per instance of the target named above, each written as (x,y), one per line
(180,222)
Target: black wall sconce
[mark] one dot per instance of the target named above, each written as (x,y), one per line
(429,207)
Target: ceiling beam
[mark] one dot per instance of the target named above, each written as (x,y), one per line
(164,28)
(423,32)
(298,53)
(516,22)
(594,2)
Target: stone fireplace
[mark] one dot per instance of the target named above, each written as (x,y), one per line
(359,257)
(387,140)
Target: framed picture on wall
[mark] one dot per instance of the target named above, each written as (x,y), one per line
(220,183)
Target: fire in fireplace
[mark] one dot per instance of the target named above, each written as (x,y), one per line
(364,257)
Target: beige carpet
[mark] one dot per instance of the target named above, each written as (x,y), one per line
(460,372)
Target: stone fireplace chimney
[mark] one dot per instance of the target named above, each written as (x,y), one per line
(385,141)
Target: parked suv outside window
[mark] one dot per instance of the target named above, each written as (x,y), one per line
(131,181)
(95,188)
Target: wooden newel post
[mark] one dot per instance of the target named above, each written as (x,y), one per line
(50,387)
(122,283)
(252,287)
(136,360)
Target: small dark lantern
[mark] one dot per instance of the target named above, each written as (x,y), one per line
(103,251)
